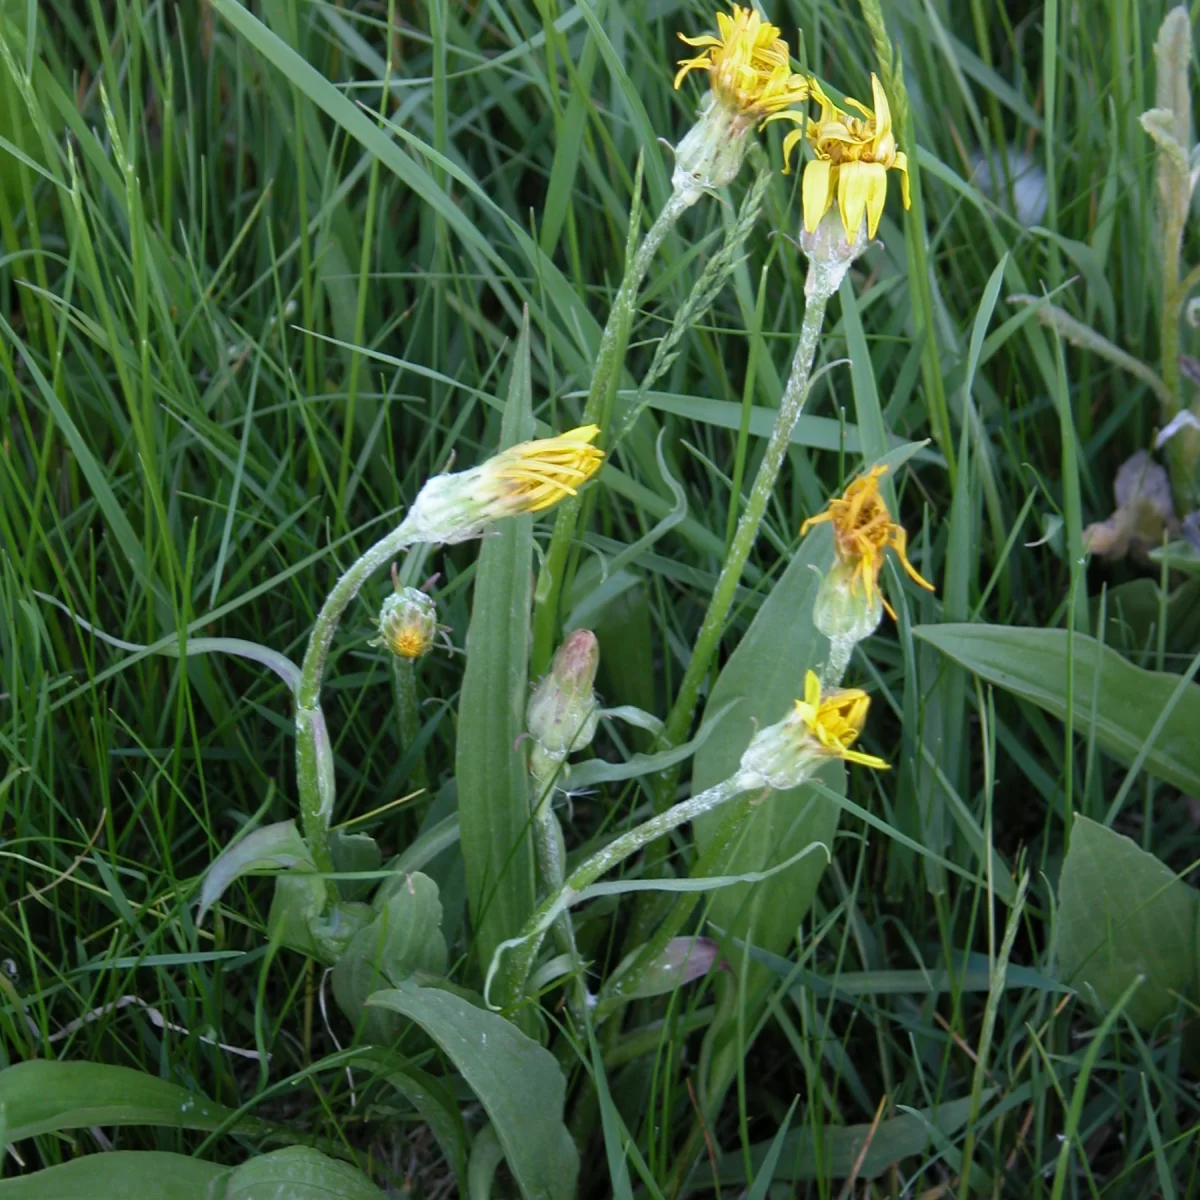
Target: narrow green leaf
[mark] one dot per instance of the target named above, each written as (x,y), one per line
(517,1082)
(895,1139)
(766,674)
(1147,716)
(493,782)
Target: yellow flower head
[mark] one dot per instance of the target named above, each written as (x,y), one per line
(525,478)
(851,158)
(862,529)
(536,475)
(835,719)
(748,65)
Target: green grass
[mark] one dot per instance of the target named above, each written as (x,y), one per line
(242,319)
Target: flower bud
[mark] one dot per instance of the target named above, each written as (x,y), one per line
(407,623)
(844,610)
(563,713)
(830,253)
(712,151)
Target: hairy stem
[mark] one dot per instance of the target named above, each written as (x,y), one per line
(314,754)
(408,715)
(609,360)
(709,637)
(523,949)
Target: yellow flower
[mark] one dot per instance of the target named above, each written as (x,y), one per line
(835,719)
(525,478)
(748,65)
(536,475)
(862,529)
(852,156)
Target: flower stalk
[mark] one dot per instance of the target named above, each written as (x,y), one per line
(528,477)
(707,640)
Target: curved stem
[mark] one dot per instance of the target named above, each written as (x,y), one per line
(609,359)
(709,637)
(524,948)
(615,992)
(314,754)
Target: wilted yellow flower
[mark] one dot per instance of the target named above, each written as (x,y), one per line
(852,156)
(862,529)
(536,475)
(835,719)
(748,65)
(525,478)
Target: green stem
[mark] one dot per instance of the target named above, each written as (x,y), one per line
(314,754)
(609,360)
(615,992)
(707,640)
(524,948)
(408,715)
(551,856)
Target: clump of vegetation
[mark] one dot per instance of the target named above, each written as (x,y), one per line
(771,767)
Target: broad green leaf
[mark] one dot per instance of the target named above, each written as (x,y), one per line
(1182,556)
(895,1139)
(298,1173)
(44,1096)
(493,782)
(120,1175)
(354,852)
(300,920)
(516,1080)
(1150,715)
(405,937)
(1123,913)
(766,674)
(273,847)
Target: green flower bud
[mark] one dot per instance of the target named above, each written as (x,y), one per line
(845,610)
(712,151)
(563,713)
(407,623)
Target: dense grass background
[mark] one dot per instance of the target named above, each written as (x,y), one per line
(238,330)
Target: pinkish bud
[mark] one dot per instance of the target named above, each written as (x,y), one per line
(683,960)
(563,712)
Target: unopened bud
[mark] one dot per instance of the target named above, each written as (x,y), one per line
(830,253)
(846,609)
(682,961)
(563,713)
(407,623)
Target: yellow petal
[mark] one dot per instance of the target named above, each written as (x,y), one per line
(865,760)
(883,115)
(816,189)
(876,175)
(705,39)
(853,190)
(812,690)
(789,144)
(901,164)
